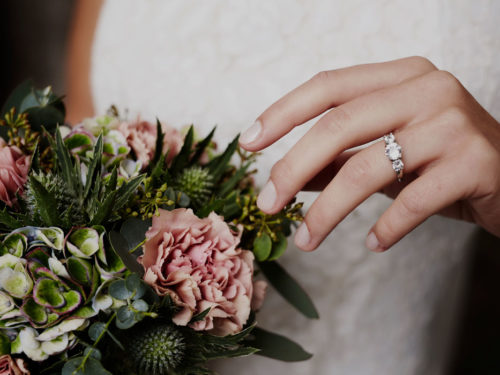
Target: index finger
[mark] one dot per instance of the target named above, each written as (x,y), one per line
(327,90)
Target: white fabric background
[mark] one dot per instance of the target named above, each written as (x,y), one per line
(223,62)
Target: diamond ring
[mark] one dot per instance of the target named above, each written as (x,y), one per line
(393,152)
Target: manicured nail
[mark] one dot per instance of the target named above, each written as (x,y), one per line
(302,236)
(373,244)
(251,133)
(267,197)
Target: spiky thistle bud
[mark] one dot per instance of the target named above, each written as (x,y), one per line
(196,183)
(157,349)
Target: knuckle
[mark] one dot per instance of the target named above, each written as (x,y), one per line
(324,76)
(357,170)
(411,204)
(281,171)
(422,64)
(457,123)
(444,83)
(336,121)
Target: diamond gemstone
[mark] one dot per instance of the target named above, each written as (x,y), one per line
(393,151)
(389,138)
(397,165)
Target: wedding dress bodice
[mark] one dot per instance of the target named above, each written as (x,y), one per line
(223,62)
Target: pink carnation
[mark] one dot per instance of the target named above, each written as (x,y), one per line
(14,167)
(141,136)
(11,366)
(197,262)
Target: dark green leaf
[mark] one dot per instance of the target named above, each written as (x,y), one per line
(91,367)
(17,96)
(182,158)
(217,166)
(200,316)
(215,205)
(120,246)
(105,209)
(232,353)
(96,330)
(262,246)
(201,146)
(94,167)
(64,161)
(134,231)
(93,352)
(277,347)
(126,190)
(8,220)
(279,247)
(45,202)
(289,288)
(119,290)
(228,185)
(159,143)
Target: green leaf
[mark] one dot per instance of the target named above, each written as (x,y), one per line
(16,97)
(159,143)
(126,190)
(134,231)
(289,288)
(217,166)
(181,159)
(34,311)
(232,353)
(8,220)
(93,352)
(277,347)
(4,344)
(96,329)
(120,246)
(279,247)
(64,161)
(94,167)
(227,186)
(201,146)
(119,290)
(124,313)
(200,316)
(92,366)
(135,285)
(45,202)
(140,305)
(105,209)
(262,247)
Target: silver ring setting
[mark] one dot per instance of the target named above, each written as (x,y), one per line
(394,153)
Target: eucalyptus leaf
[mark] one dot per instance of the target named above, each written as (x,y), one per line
(96,329)
(262,246)
(289,288)
(119,290)
(120,246)
(134,231)
(91,367)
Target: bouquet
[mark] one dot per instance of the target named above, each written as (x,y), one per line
(129,247)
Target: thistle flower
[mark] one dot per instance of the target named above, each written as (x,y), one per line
(157,349)
(196,183)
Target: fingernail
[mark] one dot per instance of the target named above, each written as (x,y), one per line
(302,236)
(251,133)
(267,197)
(373,244)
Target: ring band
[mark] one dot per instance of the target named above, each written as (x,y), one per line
(394,153)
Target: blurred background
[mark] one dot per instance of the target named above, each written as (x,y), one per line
(33,38)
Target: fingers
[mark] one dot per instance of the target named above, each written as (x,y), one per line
(365,173)
(326,90)
(427,195)
(351,124)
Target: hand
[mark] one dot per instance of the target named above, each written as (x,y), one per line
(450,144)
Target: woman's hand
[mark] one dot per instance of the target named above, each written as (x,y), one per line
(450,144)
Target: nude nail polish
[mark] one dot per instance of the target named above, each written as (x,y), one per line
(302,236)
(267,197)
(252,133)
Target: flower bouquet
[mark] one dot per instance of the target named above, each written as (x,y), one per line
(129,248)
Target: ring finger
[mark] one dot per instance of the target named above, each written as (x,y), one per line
(366,173)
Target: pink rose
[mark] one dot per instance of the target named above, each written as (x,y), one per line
(141,136)
(14,167)
(198,264)
(10,366)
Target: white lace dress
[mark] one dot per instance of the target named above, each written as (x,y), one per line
(223,62)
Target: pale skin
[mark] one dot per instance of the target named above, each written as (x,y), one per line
(451,145)
(451,150)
